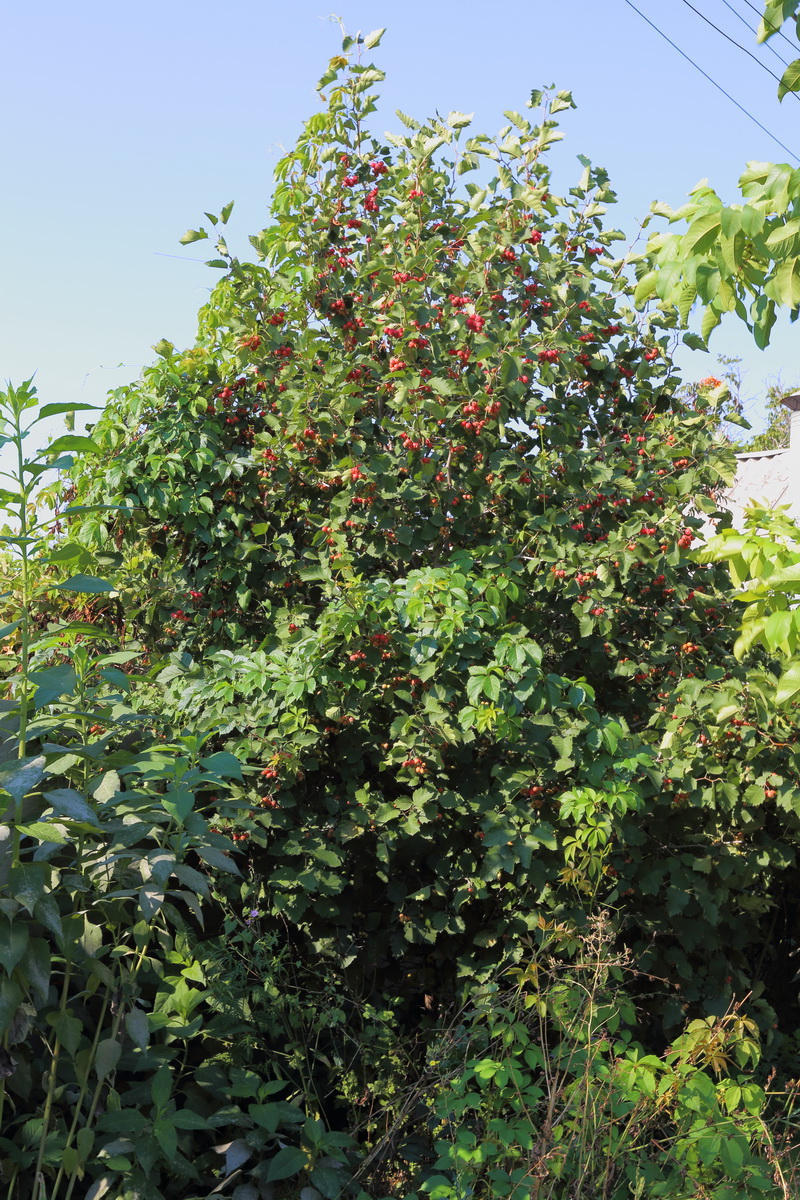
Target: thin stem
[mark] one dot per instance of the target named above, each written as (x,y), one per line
(82,1095)
(12,1181)
(24,626)
(38,1186)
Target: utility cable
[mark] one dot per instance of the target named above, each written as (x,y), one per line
(747,25)
(738,46)
(718,86)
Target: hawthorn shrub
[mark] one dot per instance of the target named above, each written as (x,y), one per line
(410,530)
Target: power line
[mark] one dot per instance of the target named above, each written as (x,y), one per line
(747,25)
(775,28)
(738,45)
(718,86)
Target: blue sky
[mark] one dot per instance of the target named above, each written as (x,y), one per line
(124,122)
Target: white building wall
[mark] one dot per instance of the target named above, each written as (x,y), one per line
(768,477)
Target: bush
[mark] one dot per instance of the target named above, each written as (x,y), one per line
(407,533)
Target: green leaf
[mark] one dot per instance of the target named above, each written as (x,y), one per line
(69,803)
(43,832)
(373,39)
(223,763)
(22,776)
(711,319)
(48,914)
(73,442)
(193,235)
(13,942)
(106,1058)
(645,288)
(218,859)
(137,1027)
(151,897)
(11,997)
(68,1030)
(702,233)
(763,316)
(330,1181)
(287,1162)
(88,584)
(684,304)
(52,683)
(777,630)
(100,1187)
(790,79)
(167,1137)
(788,685)
(178,804)
(36,968)
(65,406)
(107,788)
(192,879)
(732,1153)
(187,1118)
(781,239)
(27,882)
(784,284)
(161,1088)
